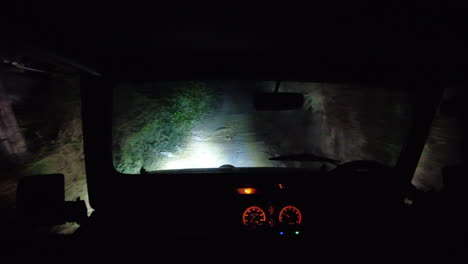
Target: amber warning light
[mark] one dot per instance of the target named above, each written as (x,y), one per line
(246,190)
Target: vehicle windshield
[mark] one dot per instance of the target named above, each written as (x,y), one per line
(167,125)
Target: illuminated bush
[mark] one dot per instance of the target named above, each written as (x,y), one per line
(151,120)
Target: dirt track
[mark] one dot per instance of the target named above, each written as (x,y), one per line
(226,135)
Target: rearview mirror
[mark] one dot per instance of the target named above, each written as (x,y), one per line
(278,101)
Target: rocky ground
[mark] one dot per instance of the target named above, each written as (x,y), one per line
(226,135)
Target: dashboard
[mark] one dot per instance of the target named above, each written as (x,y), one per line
(214,206)
(272,210)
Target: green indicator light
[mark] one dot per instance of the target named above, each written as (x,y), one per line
(297,232)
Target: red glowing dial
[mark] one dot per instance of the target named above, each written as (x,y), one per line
(290,215)
(253,216)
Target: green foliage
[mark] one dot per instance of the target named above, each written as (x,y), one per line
(158,118)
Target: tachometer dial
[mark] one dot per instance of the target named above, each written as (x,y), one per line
(254,216)
(290,215)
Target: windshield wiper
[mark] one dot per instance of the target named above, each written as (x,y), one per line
(305,157)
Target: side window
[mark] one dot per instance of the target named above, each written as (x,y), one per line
(40,128)
(446,143)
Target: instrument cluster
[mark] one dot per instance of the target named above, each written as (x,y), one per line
(272,211)
(254,216)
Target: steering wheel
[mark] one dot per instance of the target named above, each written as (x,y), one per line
(368,177)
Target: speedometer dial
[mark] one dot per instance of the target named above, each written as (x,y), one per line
(253,216)
(290,215)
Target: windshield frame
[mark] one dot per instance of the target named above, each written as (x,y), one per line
(96,94)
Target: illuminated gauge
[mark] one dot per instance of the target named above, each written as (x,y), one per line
(253,216)
(290,215)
